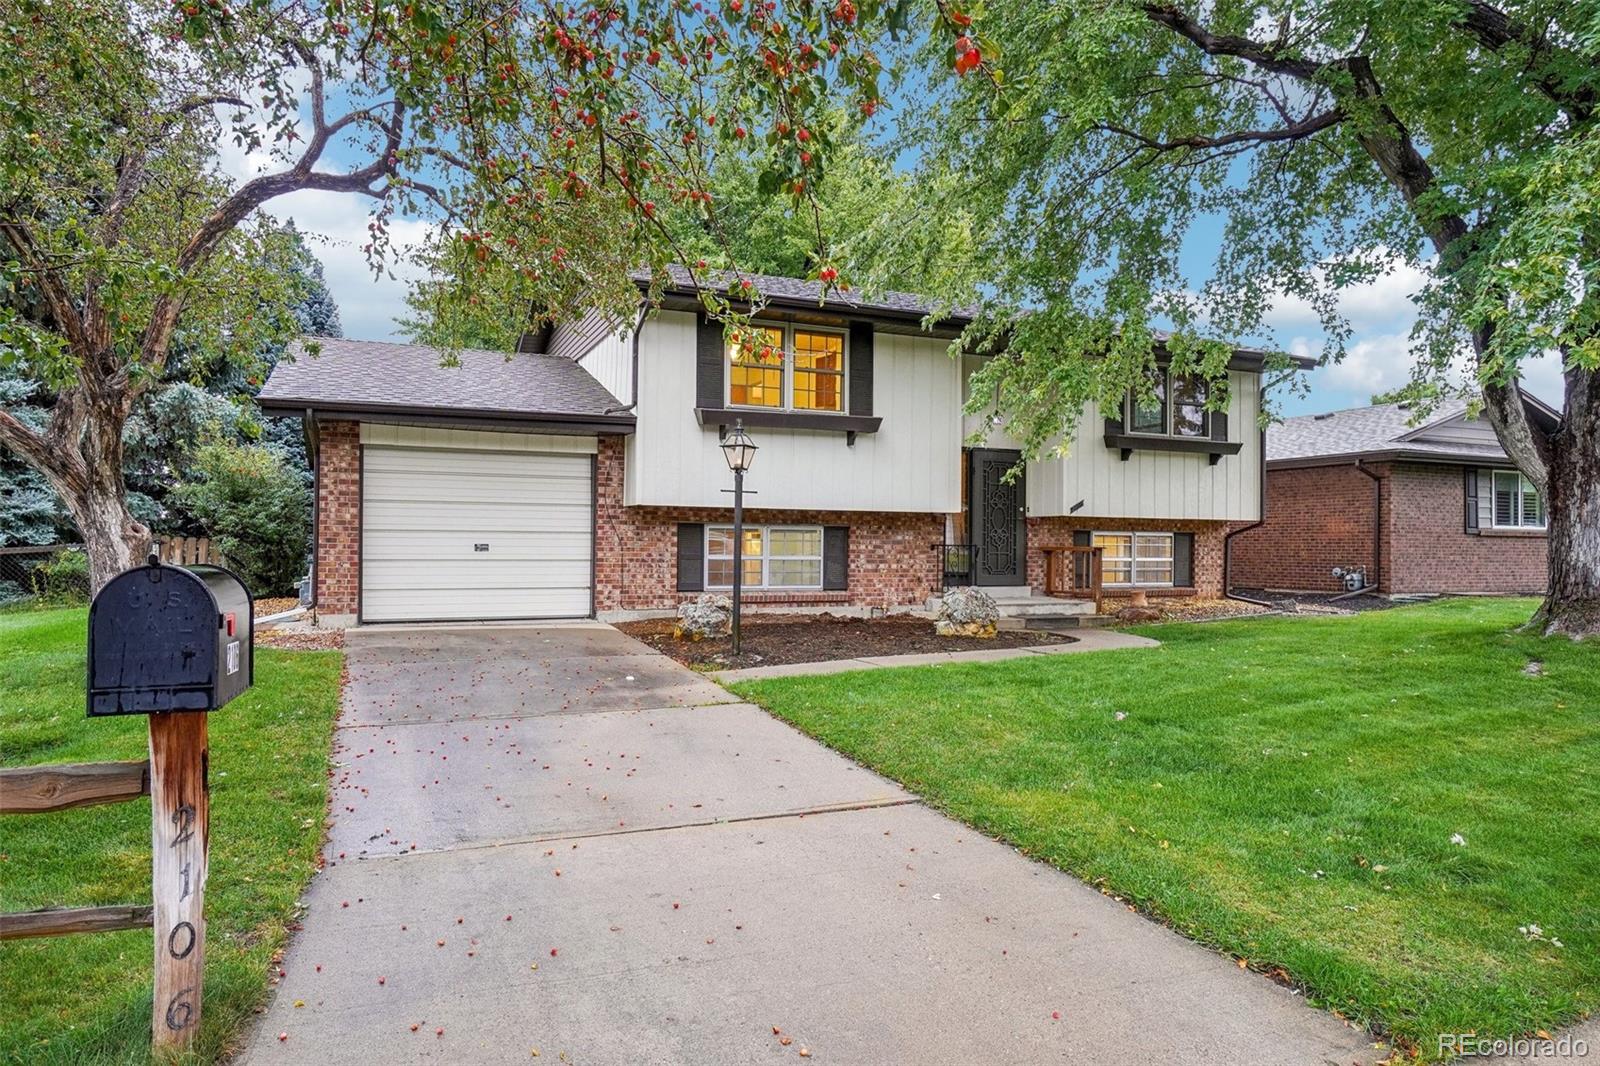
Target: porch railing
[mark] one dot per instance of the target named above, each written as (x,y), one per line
(1076,571)
(956,565)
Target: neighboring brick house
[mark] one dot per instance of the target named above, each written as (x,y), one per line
(1432,507)
(583,475)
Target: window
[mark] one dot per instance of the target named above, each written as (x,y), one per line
(1516,502)
(779,557)
(1175,406)
(1136,558)
(755,373)
(798,368)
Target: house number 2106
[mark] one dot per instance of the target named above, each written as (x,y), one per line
(183,939)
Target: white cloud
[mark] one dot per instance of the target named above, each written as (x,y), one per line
(1377,304)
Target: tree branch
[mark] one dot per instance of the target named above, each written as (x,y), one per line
(1266,56)
(38,451)
(1494,29)
(1296,131)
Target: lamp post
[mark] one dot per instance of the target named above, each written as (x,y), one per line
(740,451)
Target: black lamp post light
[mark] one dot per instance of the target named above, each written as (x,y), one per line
(740,451)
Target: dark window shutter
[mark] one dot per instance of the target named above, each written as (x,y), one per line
(1471,516)
(1082,538)
(861,368)
(836,557)
(1219,425)
(691,557)
(708,390)
(1183,560)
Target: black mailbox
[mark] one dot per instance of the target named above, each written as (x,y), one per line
(170,638)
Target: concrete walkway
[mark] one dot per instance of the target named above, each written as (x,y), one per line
(1082,640)
(556,841)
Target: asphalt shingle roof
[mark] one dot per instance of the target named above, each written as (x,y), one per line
(376,374)
(1361,430)
(800,291)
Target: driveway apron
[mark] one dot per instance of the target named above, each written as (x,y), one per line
(551,843)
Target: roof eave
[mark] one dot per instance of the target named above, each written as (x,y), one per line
(1381,455)
(553,421)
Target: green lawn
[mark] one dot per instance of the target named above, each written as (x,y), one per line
(86,998)
(1287,790)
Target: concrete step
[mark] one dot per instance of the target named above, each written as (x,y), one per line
(1062,623)
(1045,607)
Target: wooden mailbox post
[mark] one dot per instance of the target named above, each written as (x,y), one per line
(172,643)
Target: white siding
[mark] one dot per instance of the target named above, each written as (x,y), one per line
(429,497)
(1150,484)
(912,464)
(610,362)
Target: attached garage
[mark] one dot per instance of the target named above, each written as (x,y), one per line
(465,525)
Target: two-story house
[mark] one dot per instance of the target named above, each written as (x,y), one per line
(583,477)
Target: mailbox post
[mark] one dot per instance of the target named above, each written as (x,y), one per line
(173,643)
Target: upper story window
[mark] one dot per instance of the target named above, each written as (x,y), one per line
(799,368)
(1516,502)
(1175,406)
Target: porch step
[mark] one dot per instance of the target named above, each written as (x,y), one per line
(1065,623)
(1020,601)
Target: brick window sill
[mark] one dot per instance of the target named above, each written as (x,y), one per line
(805,597)
(1516,534)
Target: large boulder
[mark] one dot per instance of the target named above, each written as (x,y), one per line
(707,615)
(967,612)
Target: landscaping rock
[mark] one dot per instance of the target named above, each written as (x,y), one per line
(708,615)
(967,612)
(1139,614)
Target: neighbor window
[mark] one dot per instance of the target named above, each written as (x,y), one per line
(1135,558)
(1174,405)
(799,368)
(1516,502)
(780,557)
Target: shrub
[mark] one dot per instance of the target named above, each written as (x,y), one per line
(62,580)
(256,512)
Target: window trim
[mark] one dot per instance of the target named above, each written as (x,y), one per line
(1133,535)
(767,557)
(1131,400)
(1524,486)
(788,371)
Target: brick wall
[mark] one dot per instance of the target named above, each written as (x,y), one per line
(1430,550)
(1317,518)
(1321,517)
(338,518)
(1057,533)
(892,562)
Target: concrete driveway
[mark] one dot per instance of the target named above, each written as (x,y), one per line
(553,843)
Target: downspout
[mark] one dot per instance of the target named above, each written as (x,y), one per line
(1227,538)
(308,426)
(1377,527)
(638,327)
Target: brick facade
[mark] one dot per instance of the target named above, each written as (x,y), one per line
(1208,545)
(1429,550)
(892,561)
(338,558)
(1317,518)
(1321,517)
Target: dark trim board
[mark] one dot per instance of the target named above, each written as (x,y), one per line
(458,418)
(1128,443)
(756,417)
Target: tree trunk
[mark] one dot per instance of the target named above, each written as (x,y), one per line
(1572,601)
(112,538)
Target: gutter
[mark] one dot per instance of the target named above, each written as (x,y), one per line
(638,327)
(1377,525)
(1227,538)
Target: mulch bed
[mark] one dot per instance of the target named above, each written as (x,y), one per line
(270,605)
(306,639)
(821,638)
(1320,603)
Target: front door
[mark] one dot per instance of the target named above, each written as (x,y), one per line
(999,507)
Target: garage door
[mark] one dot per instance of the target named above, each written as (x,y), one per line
(454,534)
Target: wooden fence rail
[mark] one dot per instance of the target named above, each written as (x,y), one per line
(40,789)
(60,921)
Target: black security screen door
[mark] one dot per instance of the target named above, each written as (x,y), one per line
(999,535)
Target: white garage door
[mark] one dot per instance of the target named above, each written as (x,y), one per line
(452,534)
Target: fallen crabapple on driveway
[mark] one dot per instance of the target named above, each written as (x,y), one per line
(554,839)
